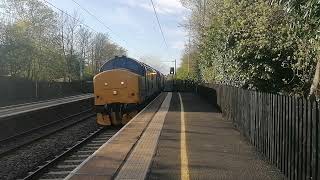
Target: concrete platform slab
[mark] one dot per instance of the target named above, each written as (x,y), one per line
(215,150)
(108,159)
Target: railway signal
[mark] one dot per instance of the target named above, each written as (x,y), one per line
(172,70)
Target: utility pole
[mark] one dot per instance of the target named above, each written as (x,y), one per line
(204,13)
(175,74)
(81,70)
(189,51)
(175,67)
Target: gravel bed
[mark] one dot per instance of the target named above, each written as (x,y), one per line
(17,142)
(27,158)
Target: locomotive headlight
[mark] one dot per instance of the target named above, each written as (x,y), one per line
(115,92)
(122,82)
(106,84)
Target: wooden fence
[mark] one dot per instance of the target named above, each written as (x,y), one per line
(282,128)
(15,91)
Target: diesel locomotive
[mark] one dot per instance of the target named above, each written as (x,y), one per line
(122,85)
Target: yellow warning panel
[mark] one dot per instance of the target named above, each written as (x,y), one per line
(103,119)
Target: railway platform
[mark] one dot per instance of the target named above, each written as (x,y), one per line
(11,110)
(177,136)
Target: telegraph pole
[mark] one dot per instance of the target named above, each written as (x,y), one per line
(175,67)
(204,12)
(189,51)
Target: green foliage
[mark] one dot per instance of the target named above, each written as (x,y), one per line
(256,44)
(39,44)
(188,69)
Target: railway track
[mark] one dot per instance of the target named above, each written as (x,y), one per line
(18,141)
(60,166)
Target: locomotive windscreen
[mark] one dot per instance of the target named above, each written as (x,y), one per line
(124,63)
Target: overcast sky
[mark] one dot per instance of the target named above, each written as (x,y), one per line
(135,27)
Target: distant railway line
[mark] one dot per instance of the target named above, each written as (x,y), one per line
(10,144)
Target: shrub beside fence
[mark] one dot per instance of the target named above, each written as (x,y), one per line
(284,129)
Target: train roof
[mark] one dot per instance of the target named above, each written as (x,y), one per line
(130,64)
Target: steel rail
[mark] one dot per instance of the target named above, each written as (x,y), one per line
(43,126)
(8,151)
(42,169)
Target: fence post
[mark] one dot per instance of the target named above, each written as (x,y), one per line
(265,123)
(272,128)
(318,140)
(314,141)
(283,129)
(286,135)
(277,108)
(290,144)
(304,137)
(37,89)
(259,121)
(252,117)
(300,140)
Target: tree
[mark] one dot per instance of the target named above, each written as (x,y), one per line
(39,44)
(103,50)
(189,69)
(83,41)
(308,13)
(249,44)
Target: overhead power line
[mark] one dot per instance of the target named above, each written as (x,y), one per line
(62,11)
(87,11)
(101,22)
(155,13)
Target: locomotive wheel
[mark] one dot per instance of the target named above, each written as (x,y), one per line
(116,114)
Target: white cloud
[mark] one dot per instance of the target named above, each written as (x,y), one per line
(121,16)
(176,32)
(178,45)
(176,36)
(157,63)
(165,7)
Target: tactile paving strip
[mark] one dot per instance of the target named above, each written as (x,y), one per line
(107,160)
(137,164)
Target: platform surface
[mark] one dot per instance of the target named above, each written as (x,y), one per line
(214,149)
(186,138)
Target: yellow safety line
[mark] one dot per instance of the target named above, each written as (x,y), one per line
(183,151)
